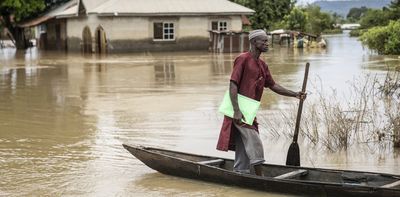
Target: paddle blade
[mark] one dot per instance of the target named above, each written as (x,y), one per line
(293,156)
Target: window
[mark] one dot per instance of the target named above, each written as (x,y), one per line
(42,28)
(223,26)
(214,25)
(219,25)
(164,31)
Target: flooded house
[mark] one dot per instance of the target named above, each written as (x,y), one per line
(100,26)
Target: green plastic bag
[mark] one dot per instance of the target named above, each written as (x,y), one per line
(247,106)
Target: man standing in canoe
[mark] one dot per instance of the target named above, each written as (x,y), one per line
(249,76)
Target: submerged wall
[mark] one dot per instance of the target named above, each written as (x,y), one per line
(128,33)
(55,37)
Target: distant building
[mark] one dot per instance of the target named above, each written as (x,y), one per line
(136,25)
(349,26)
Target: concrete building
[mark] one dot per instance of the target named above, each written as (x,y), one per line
(101,26)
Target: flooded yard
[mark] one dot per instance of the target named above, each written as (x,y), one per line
(64,117)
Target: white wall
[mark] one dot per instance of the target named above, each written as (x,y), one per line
(193,26)
(236,23)
(129,33)
(142,27)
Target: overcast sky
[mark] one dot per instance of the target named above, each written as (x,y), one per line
(304,1)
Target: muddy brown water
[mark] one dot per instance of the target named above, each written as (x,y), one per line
(63,117)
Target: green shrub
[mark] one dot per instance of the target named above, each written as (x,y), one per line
(332,31)
(373,18)
(357,32)
(384,40)
(393,44)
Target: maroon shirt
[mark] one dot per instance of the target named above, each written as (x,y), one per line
(251,76)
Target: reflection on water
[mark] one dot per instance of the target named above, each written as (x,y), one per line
(221,65)
(63,117)
(175,186)
(165,71)
(40,130)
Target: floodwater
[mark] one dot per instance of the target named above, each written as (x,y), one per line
(63,117)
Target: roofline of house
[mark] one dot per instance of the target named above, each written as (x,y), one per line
(32,23)
(173,14)
(228,32)
(46,16)
(67,16)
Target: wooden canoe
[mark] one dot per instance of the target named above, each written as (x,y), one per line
(277,178)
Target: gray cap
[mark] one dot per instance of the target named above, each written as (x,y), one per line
(256,33)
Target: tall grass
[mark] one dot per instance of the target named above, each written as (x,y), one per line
(390,94)
(371,114)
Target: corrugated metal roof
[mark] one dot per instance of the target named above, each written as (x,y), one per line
(71,11)
(143,7)
(62,8)
(169,7)
(91,4)
(51,14)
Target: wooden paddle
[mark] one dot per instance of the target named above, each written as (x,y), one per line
(293,156)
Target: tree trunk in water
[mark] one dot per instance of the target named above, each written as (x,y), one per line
(396,133)
(18,34)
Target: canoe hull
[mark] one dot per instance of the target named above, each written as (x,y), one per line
(184,168)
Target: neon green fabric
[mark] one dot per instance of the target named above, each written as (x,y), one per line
(247,106)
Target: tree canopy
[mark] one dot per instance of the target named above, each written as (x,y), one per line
(296,20)
(355,14)
(23,9)
(267,12)
(318,21)
(373,18)
(14,11)
(383,34)
(381,17)
(394,9)
(20,9)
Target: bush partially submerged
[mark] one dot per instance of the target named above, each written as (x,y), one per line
(370,115)
(357,32)
(383,40)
